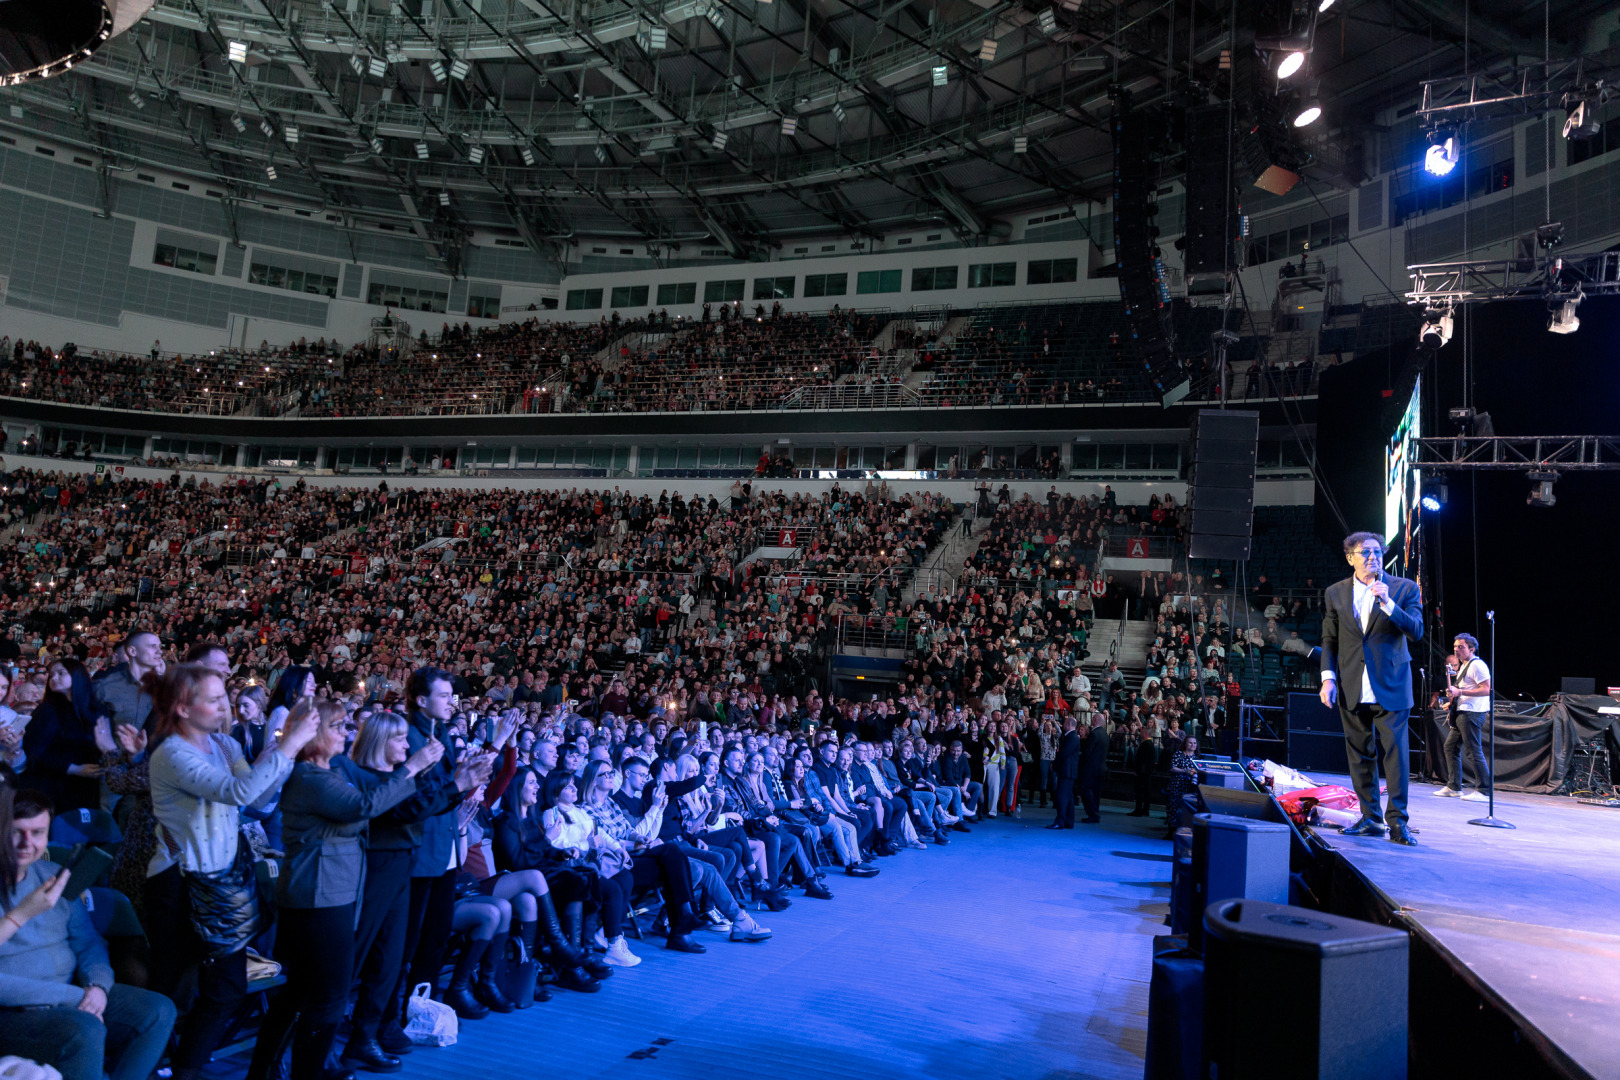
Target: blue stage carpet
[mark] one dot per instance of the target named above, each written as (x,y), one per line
(1012,953)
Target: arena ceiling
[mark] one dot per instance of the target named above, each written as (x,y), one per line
(682,122)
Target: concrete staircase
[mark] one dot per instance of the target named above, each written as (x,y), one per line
(1128,648)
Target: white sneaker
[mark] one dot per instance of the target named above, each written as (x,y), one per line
(619,954)
(1475,796)
(1448,793)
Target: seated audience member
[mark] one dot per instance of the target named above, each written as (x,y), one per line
(59,1003)
(574,833)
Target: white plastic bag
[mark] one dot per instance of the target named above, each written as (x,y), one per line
(429,1022)
(1284,779)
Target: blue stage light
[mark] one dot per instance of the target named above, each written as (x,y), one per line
(1441,157)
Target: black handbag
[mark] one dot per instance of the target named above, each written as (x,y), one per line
(517,974)
(224,904)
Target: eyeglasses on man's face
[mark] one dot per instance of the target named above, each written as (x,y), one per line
(1369,554)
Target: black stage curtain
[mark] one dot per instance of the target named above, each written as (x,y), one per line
(1533,749)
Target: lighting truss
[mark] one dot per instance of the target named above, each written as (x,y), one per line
(1510,453)
(1553,277)
(1513,90)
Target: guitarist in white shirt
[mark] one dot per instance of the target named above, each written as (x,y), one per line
(1470,695)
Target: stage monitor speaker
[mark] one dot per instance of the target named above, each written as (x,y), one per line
(1571,685)
(1220,484)
(1303,994)
(1211,209)
(1317,751)
(1307,713)
(1175,1040)
(1237,858)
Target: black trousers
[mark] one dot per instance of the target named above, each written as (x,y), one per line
(1144,792)
(1375,736)
(427,929)
(1467,735)
(1063,800)
(379,938)
(1091,796)
(221,983)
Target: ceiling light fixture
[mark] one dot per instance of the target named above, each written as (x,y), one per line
(601,155)
(269,132)
(476,155)
(720,139)
(717,17)
(657,38)
(270,171)
(378,67)
(136,100)
(1542,494)
(436,69)
(528,155)
(942,75)
(459,70)
(1020,144)
(790,124)
(376,145)
(1291,63)
(357,64)
(236,51)
(290,133)
(444,198)
(1325,4)
(838,112)
(1048,20)
(1308,114)
(422,150)
(987,50)
(238,123)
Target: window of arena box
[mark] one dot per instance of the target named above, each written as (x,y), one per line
(198,262)
(992,275)
(722,292)
(1053,271)
(773,288)
(629,296)
(406,298)
(584,300)
(677,292)
(299,281)
(826,284)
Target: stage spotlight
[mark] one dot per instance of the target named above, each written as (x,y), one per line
(1561,317)
(1309,114)
(1436,329)
(1291,63)
(1581,123)
(1542,493)
(1323,6)
(1440,158)
(1435,494)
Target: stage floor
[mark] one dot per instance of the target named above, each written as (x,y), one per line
(1014,953)
(1533,912)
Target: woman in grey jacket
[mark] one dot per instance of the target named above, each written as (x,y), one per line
(324,820)
(200,780)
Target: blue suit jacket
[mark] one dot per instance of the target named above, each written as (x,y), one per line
(1381,651)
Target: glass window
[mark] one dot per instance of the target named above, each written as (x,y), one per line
(484,307)
(198,262)
(584,299)
(877,281)
(1138,455)
(992,275)
(722,292)
(926,456)
(1111,456)
(629,296)
(301,281)
(773,288)
(926,278)
(677,292)
(1053,271)
(826,284)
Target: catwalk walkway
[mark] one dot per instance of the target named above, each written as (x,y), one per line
(1015,953)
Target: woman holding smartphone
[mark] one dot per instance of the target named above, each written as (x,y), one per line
(200,781)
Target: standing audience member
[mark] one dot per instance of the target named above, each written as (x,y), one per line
(60,741)
(1094,769)
(200,907)
(324,821)
(1065,774)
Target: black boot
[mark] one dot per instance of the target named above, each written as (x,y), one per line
(365,1052)
(460,996)
(589,962)
(310,1048)
(275,1036)
(484,987)
(567,960)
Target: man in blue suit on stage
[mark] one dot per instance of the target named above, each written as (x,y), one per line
(1367,620)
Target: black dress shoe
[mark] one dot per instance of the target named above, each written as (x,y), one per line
(683,943)
(578,980)
(959,827)
(1054,825)
(1401,834)
(862,870)
(368,1054)
(392,1038)
(817,889)
(941,839)
(1366,827)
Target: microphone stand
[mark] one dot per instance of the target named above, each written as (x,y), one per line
(1490,820)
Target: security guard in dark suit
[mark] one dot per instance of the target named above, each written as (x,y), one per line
(1065,771)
